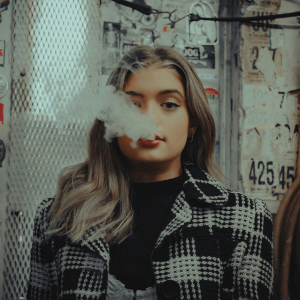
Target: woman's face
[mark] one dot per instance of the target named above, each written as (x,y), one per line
(150,89)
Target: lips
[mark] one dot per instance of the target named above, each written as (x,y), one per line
(156,138)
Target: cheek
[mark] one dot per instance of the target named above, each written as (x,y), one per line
(180,123)
(124,143)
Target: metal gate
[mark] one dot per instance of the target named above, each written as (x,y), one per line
(56,53)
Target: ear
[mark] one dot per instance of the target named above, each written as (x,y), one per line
(192,130)
(192,127)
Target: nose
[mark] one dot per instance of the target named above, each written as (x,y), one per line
(151,109)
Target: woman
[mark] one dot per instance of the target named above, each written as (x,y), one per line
(152,222)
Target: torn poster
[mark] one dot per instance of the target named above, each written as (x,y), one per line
(262,62)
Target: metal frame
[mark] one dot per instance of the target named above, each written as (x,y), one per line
(229,95)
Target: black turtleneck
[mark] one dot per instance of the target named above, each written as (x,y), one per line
(130,262)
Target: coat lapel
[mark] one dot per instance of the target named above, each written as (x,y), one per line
(199,189)
(100,245)
(181,215)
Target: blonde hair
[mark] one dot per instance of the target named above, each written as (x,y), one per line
(96,192)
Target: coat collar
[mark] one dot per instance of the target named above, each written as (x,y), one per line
(199,189)
(200,186)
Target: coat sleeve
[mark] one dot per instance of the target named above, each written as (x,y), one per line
(40,284)
(255,276)
(61,270)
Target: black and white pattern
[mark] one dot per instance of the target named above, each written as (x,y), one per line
(217,245)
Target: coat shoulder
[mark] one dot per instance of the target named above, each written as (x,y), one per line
(243,202)
(249,215)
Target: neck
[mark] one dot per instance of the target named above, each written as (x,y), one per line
(153,172)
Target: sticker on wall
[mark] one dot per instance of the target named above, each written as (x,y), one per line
(136,28)
(195,40)
(202,32)
(2,113)
(3,7)
(2,152)
(111,46)
(211,91)
(202,57)
(2,53)
(3,86)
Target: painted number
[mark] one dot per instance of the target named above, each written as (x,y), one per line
(261,168)
(261,164)
(252,172)
(263,24)
(283,176)
(1,54)
(255,49)
(282,180)
(256,52)
(270,163)
(283,94)
(274,51)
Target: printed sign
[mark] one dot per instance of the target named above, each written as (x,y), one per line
(111,46)
(202,57)
(202,32)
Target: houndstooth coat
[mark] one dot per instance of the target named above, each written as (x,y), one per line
(217,245)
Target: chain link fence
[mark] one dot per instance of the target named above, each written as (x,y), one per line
(56,54)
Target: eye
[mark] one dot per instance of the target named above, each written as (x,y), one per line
(169,103)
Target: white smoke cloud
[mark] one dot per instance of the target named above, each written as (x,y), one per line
(115,108)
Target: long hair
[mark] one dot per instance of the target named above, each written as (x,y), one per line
(95,193)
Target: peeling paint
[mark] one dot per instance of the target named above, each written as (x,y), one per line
(276,38)
(266,65)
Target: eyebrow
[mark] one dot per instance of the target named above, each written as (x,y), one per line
(164,92)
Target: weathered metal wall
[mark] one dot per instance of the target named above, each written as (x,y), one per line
(269,112)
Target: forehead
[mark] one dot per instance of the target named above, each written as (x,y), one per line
(154,77)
